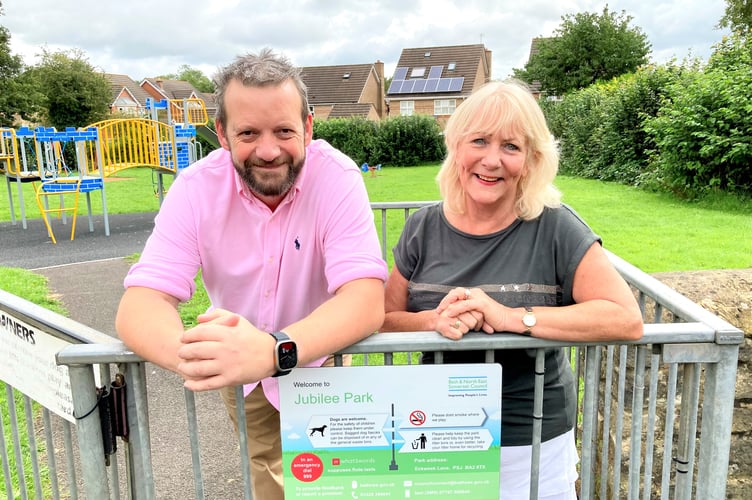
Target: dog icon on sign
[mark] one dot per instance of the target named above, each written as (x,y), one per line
(320,430)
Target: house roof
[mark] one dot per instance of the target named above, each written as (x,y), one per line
(535,85)
(335,84)
(173,89)
(210,100)
(346,110)
(119,82)
(535,46)
(442,63)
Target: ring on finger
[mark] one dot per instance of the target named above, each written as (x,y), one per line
(457,324)
(467,293)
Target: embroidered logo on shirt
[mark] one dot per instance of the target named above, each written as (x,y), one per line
(297,243)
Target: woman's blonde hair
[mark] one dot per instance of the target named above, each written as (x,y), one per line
(508,109)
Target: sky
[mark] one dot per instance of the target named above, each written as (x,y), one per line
(147,38)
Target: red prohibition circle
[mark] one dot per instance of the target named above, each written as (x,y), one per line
(307,467)
(417,417)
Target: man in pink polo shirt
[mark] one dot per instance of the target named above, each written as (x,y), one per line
(281,228)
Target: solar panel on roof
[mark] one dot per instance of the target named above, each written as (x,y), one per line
(435,72)
(431,84)
(455,85)
(425,85)
(400,73)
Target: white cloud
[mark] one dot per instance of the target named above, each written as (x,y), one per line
(142,38)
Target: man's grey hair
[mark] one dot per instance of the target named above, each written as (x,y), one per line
(258,70)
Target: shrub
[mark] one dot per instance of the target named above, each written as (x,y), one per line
(702,134)
(353,136)
(601,128)
(576,121)
(402,141)
(684,129)
(630,101)
(409,140)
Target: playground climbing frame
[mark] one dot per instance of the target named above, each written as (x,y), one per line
(165,143)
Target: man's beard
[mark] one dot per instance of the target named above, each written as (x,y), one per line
(264,183)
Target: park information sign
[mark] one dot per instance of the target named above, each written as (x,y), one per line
(27,362)
(418,431)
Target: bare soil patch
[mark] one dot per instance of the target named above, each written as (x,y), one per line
(728,294)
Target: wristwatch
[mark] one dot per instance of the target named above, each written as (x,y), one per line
(528,320)
(285,353)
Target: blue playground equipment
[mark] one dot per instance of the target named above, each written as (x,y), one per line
(370,168)
(166,143)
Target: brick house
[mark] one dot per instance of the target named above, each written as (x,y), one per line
(158,89)
(127,96)
(346,90)
(435,80)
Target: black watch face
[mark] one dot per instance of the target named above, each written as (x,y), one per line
(287,355)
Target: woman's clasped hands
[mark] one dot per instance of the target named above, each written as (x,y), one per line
(469,309)
(458,313)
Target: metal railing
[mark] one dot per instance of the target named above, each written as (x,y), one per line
(654,416)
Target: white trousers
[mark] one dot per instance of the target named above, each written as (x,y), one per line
(558,470)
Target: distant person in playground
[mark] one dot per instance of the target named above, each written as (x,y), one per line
(500,253)
(281,228)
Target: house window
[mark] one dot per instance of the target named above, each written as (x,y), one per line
(418,72)
(407,108)
(444,106)
(451,66)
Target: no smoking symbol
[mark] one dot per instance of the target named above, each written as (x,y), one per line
(417,417)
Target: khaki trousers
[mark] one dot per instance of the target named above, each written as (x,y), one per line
(264,440)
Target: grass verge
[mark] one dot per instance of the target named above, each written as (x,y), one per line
(33,288)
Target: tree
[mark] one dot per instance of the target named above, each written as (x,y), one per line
(17,96)
(586,48)
(10,69)
(193,76)
(702,132)
(75,95)
(738,16)
(731,53)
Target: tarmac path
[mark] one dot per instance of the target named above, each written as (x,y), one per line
(86,276)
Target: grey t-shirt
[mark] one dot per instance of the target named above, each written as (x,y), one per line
(529,263)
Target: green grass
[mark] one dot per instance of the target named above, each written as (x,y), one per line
(403,184)
(197,305)
(653,231)
(132,190)
(657,232)
(32,287)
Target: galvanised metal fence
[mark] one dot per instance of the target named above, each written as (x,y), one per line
(654,417)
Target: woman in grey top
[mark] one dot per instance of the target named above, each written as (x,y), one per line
(501,253)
